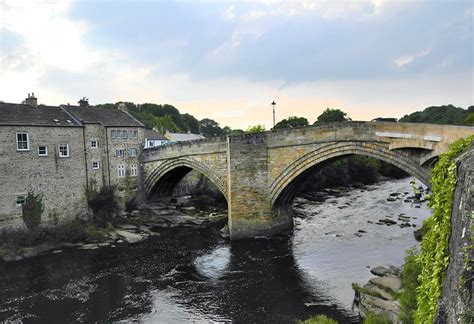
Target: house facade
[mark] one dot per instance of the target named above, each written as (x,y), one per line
(60,151)
(153,139)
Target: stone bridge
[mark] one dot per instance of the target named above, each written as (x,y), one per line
(260,174)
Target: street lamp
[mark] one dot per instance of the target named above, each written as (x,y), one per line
(273,106)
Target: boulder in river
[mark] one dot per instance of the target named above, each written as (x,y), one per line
(129,236)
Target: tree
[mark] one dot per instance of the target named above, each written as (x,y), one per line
(32,210)
(255,129)
(331,115)
(165,124)
(291,122)
(447,114)
(192,123)
(232,132)
(210,128)
(469,120)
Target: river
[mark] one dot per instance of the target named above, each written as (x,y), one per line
(189,275)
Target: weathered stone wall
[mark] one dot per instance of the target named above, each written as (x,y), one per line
(61,180)
(127,187)
(457,300)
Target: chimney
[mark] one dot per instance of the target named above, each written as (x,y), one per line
(31,100)
(122,106)
(84,102)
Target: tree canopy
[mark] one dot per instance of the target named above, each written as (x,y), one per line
(255,129)
(447,114)
(291,122)
(331,115)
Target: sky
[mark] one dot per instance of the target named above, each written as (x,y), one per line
(228,60)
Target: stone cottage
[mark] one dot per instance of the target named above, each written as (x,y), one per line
(59,151)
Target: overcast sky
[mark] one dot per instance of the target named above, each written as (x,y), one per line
(228,60)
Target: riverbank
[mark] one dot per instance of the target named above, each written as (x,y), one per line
(129,228)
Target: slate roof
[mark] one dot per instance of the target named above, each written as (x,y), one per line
(182,137)
(20,114)
(109,117)
(153,135)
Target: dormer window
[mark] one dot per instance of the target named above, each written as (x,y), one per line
(22,142)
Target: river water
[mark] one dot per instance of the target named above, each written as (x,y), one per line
(189,275)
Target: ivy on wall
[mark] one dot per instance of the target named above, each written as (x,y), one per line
(434,252)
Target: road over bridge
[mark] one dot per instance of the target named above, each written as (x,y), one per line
(260,174)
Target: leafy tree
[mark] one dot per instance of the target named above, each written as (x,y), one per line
(165,124)
(255,129)
(469,120)
(192,123)
(291,122)
(32,210)
(231,132)
(447,114)
(331,115)
(210,128)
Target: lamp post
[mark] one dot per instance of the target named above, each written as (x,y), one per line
(273,106)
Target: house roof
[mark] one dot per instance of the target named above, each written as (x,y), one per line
(110,117)
(153,135)
(181,137)
(21,114)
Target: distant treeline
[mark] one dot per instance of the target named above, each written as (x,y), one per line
(448,115)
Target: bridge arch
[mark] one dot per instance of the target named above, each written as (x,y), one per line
(167,175)
(284,187)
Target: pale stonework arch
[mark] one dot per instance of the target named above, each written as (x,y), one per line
(337,149)
(168,166)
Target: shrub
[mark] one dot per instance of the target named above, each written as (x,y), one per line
(409,277)
(32,210)
(76,231)
(377,319)
(318,319)
(104,206)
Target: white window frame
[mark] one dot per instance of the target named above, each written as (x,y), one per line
(130,150)
(27,141)
(18,196)
(113,133)
(121,170)
(95,167)
(133,170)
(46,150)
(120,150)
(96,143)
(124,134)
(151,143)
(135,134)
(59,150)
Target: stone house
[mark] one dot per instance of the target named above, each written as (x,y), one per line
(153,139)
(59,151)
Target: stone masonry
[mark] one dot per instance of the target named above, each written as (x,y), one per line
(259,174)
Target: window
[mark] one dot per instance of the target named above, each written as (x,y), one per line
(132,152)
(113,133)
(133,170)
(63,150)
(42,150)
(124,134)
(150,143)
(130,134)
(135,134)
(119,153)
(94,143)
(95,165)
(22,142)
(121,170)
(20,200)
